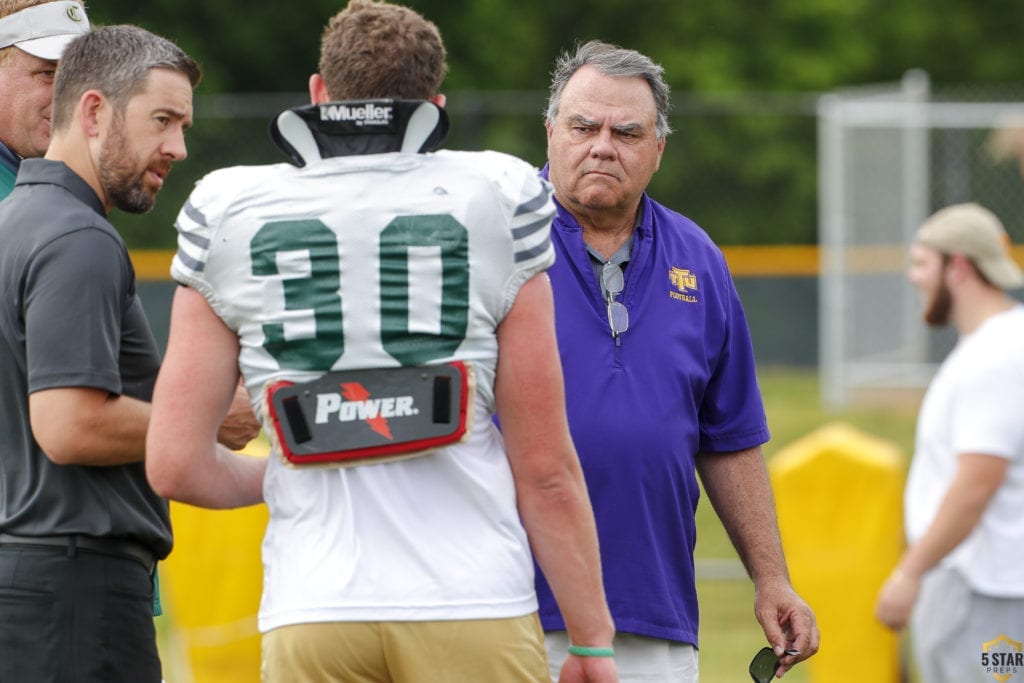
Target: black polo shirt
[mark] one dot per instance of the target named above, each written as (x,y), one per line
(69,317)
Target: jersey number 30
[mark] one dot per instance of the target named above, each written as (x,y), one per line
(322,291)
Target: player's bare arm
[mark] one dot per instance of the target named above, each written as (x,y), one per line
(552,495)
(194,391)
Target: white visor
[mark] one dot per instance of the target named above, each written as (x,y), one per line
(44,30)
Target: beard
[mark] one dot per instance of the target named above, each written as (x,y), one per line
(120,177)
(936,312)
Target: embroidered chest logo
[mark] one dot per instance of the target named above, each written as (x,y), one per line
(683,281)
(1002,657)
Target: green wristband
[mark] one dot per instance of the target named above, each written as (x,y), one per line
(583,651)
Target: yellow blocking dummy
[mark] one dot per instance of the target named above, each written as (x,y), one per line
(839,496)
(210,587)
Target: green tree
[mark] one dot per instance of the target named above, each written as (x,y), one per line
(744,73)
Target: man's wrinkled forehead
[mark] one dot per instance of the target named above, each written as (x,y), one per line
(590,91)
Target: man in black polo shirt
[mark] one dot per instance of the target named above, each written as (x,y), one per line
(80,528)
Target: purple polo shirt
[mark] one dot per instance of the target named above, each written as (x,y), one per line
(681,381)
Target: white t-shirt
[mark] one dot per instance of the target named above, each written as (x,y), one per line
(372,261)
(975,404)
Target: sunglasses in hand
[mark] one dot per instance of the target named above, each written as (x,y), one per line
(765,663)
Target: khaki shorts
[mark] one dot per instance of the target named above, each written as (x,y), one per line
(486,650)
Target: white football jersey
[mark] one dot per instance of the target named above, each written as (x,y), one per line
(377,261)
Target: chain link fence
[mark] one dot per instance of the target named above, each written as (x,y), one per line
(890,156)
(750,168)
(741,165)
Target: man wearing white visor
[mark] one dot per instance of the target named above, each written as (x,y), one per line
(33,34)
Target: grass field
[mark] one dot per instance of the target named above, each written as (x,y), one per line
(729,633)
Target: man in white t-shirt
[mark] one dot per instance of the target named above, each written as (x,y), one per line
(960,582)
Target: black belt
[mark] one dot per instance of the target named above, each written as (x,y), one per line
(114,547)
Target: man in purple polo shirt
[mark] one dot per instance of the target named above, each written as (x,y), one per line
(659,373)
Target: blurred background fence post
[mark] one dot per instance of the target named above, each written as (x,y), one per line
(890,155)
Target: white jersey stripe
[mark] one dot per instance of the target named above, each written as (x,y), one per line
(535,204)
(525,231)
(527,254)
(188,262)
(194,213)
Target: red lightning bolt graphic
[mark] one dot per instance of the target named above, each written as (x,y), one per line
(354,391)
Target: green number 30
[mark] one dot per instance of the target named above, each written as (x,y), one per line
(322,290)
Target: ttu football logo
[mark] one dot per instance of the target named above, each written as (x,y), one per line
(355,403)
(683,281)
(1002,657)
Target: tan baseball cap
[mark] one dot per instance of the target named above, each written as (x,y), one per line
(44,30)
(977,233)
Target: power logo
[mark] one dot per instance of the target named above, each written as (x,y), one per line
(408,410)
(1002,658)
(358,405)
